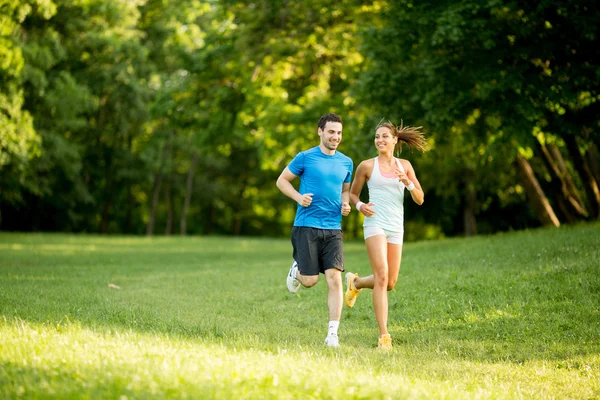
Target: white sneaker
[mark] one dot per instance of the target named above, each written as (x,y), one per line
(332,340)
(293,284)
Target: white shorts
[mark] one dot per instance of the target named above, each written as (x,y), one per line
(392,237)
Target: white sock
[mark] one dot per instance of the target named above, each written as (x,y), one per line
(333,327)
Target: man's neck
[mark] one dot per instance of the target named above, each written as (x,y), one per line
(325,150)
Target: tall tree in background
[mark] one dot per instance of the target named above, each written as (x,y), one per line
(517,66)
(83,86)
(304,57)
(19,142)
(158,116)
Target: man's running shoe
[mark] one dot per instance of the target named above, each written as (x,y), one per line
(293,284)
(351,290)
(332,340)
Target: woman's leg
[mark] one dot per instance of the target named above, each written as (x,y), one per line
(394,257)
(377,251)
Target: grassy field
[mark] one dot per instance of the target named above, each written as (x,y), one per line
(508,316)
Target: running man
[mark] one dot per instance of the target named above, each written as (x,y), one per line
(323,198)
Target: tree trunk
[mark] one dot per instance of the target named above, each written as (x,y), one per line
(129,210)
(566,175)
(108,195)
(237,213)
(170,212)
(351,225)
(567,194)
(357,225)
(470,203)
(565,212)
(105,215)
(593,161)
(589,183)
(129,205)
(158,176)
(538,199)
(155,197)
(188,194)
(210,219)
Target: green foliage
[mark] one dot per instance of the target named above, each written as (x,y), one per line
(506,316)
(19,143)
(481,77)
(119,103)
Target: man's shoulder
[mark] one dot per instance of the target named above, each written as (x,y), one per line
(307,152)
(343,157)
(312,150)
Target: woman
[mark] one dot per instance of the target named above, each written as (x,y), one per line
(386,177)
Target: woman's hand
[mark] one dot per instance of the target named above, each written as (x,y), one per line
(367,210)
(402,177)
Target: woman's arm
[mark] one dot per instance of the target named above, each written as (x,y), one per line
(361,176)
(417,193)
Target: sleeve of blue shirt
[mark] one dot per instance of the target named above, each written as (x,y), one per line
(296,167)
(349,175)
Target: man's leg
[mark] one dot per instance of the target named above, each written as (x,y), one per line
(305,255)
(307,280)
(335,298)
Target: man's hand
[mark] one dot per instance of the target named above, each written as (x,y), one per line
(345,209)
(306,199)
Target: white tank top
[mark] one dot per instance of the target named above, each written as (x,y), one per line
(388,196)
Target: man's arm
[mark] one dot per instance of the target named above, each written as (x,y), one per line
(284,184)
(346,199)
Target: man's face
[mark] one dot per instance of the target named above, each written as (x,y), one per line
(331,135)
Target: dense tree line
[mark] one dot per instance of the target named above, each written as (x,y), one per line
(163,117)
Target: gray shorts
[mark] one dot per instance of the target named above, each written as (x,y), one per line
(317,250)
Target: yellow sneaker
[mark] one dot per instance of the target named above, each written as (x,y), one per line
(351,290)
(385,342)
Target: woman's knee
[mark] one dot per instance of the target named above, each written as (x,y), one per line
(390,285)
(381,280)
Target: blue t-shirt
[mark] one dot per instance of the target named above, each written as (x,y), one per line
(322,175)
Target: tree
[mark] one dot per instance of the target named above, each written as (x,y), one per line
(445,61)
(19,143)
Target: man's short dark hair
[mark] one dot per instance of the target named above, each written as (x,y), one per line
(331,117)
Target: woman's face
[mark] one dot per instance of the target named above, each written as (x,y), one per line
(384,140)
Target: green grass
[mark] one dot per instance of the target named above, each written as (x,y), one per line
(507,316)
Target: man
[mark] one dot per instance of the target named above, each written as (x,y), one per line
(323,198)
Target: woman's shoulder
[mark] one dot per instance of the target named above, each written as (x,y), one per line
(405,163)
(368,163)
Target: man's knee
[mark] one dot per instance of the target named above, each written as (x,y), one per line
(333,277)
(310,280)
